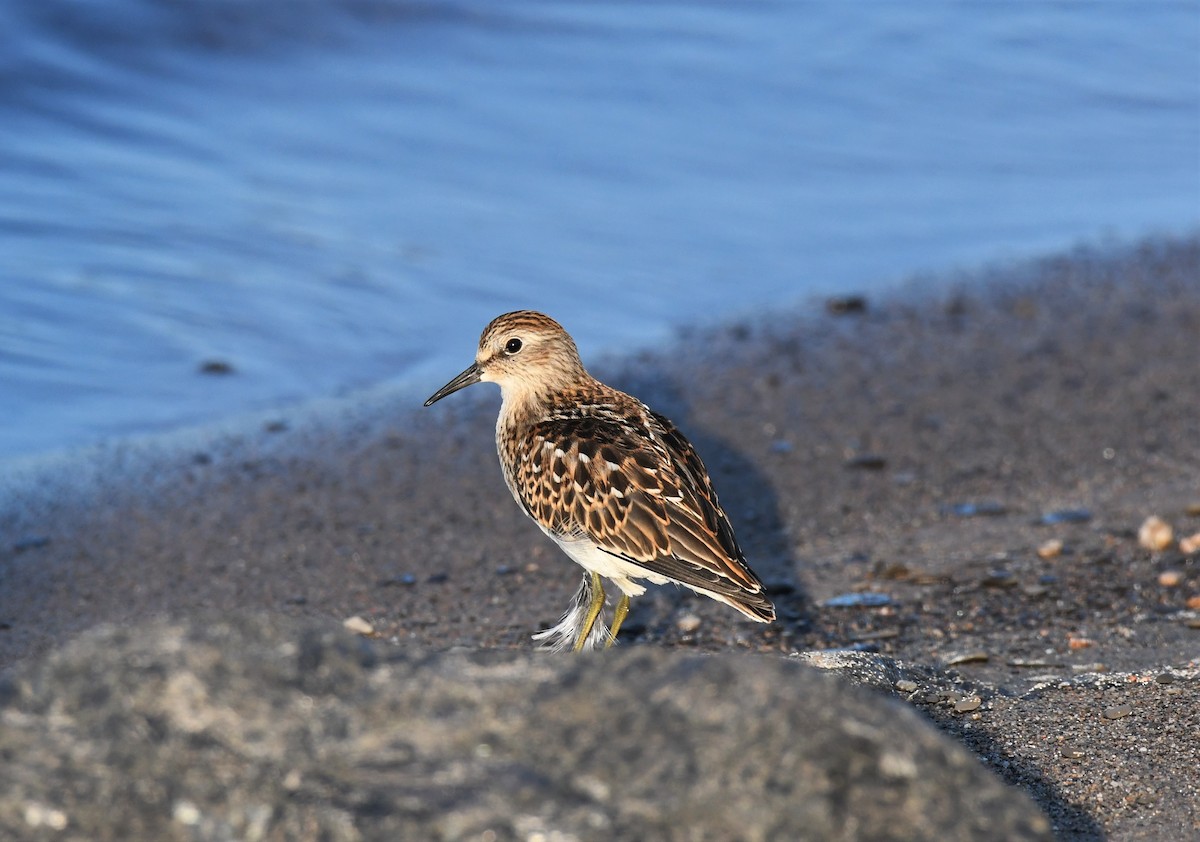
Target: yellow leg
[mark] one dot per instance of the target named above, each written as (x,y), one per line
(593,612)
(618,617)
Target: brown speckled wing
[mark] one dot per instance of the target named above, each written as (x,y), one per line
(624,477)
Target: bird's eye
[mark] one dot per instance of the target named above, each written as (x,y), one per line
(512,346)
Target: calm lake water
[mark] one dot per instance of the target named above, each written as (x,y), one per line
(333,194)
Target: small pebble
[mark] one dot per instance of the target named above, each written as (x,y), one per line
(1194,603)
(1165,678)
(1079,643)
(1192,622)
(866,462)
(688,623)
(1050,549)
(905,685)
(1155,534)
(358,625)
(1074,753)
(1118,711)
(999,579)
(1192,509)
(393,581)
(1170,578)
(968,704)
(37,815)
(1190,544)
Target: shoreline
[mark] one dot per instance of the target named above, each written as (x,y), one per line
(841,446)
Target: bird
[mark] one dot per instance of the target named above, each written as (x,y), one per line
(616,485)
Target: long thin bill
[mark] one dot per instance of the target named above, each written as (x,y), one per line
(467,378)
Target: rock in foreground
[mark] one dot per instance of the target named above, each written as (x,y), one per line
(261,729)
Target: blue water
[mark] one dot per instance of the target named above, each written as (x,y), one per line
(331,195)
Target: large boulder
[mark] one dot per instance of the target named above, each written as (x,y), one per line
(259,728)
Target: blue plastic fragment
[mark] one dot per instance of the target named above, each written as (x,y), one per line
(866,599)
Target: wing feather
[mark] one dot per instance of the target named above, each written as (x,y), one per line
(628,480)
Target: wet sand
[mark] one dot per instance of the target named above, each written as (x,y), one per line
(910,450)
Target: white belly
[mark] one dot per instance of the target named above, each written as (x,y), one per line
(622,573)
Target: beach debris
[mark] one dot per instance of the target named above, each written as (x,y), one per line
(216,367)
(1050,549)
(1118,711)
(393,581)
(688,623)
(972,656)
(1190,544)
(864,599)
(358,625)
(844,305)
(987,508)
(866,462)
(1194,603)
(1079,642)
(1155,534)
(1170,578)
(1065,516)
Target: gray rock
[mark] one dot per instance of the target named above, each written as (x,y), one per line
(260,729)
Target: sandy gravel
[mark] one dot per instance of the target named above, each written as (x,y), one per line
(912,450)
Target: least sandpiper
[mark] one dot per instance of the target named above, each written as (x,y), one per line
(613,483)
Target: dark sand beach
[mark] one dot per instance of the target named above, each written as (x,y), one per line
(976,458)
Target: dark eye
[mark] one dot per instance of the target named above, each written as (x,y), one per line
(512,346)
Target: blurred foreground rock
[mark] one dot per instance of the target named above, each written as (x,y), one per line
(264,729)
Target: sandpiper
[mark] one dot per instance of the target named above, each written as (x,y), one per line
(620,490)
